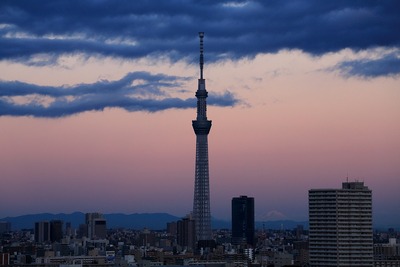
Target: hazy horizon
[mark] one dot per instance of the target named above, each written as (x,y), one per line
(217,223)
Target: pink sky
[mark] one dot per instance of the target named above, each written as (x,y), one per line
(299,126)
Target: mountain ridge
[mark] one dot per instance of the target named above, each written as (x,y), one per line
(153,221)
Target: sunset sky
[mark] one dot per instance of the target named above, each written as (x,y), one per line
(97,99)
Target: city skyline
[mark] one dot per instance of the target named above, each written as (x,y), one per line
(96,103)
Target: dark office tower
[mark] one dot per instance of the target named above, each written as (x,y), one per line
(82,231)
(186,233)
(341,226)
(171,228)
(201,126)
(56,230)
(96,226)
(243,220)
(5,227)
(100,229)
(42,232)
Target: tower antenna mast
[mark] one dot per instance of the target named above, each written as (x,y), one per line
(201,35)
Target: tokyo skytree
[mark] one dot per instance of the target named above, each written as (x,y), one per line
(201,127)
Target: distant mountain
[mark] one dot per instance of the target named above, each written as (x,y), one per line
(28,221)
(153,221)
(274,225)
(281,224)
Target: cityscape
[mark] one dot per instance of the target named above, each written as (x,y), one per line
(340,233)
(340,230)
(286,131)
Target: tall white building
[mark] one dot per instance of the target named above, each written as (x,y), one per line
(341,226)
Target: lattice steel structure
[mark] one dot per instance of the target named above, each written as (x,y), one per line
(202,126)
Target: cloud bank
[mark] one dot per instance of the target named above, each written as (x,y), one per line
(137,91)
(387,65)
(40,34)
(234,29)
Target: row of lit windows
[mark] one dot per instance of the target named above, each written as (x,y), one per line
(341,228)
(367,255)
(341,225)
(341,214)
(341,208)
(338,193)
(339,197)
(340,233)
(342,252)
(333,243)
(341,220)
(321,237)
(363,234)
(339,200)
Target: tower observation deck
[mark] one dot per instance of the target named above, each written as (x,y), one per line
(201,127)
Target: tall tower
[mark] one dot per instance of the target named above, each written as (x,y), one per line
(341,226)
(201,127)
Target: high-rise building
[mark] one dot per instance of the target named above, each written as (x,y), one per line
(96,226)
(243,220)
(186,233)
(56,230)
(201,127)
(42,231)
(5,227)
(82,230)
(341,226)
(172,228)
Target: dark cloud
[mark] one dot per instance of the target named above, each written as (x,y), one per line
(388,65)
(234,29)
(38,33)
(137,91)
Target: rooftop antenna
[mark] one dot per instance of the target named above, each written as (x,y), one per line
(201,35)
